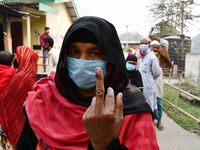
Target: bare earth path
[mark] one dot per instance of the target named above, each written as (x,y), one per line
(173,137)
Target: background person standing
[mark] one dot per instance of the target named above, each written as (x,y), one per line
(150,70)
(134,75)
(161,51)
(53,54)
(42,43)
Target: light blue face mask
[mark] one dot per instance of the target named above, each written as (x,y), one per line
(82,71)
(130,67)
(143,48)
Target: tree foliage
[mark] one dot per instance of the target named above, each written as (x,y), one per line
(167,28)
(175,12)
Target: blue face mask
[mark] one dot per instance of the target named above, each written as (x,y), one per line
(143,48)
(82,71)
(130,67)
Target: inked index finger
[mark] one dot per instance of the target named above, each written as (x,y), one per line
(99,90)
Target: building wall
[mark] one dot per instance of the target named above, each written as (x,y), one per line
(24,28)
(58,23)
(34,26)
(37,28)
(192,67)
(37,24)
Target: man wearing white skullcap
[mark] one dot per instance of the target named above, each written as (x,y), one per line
(164,43)
(160,49)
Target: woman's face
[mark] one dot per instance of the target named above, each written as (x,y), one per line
(83,50)
(87,51)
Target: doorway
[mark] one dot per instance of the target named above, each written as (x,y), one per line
(1,38)
(17,35)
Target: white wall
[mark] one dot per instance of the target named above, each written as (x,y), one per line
(59,23)
(192,67)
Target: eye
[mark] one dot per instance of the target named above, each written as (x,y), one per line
(95,52)
(156,47)
(73,52)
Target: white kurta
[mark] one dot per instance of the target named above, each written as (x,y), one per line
(150,70)
(159,85)
(53,57)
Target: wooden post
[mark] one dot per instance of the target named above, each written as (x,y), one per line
(178,92)
(198,132)
(186,113)
(185,92)
(170,75)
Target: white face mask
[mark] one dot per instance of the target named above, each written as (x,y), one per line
(82,71)
(143,48)
(130,67)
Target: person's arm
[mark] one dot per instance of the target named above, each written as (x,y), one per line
(50,62)
(154,37)
(104,117)
(164,58)
(139,79)
(41,40)
(155,67)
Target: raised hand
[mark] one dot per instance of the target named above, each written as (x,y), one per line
(104,116)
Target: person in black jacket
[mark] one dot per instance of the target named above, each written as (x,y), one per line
(134,75)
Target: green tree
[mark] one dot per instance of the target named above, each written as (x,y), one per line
(175,12)
(167,28)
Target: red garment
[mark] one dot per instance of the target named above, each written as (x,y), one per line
(15,93)
(58,122)
(42,37)
(138,132)
(6,73)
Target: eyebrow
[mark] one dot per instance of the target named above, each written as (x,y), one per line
(130,61)
(144,43)
(156,46)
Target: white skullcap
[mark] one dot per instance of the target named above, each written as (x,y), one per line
(164,43)
(154,42)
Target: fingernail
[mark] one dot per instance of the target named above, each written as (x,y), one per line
(110,90)
(120,95)
(97,69)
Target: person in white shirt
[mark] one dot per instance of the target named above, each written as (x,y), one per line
(161,51)
(150,70)
(53,54)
